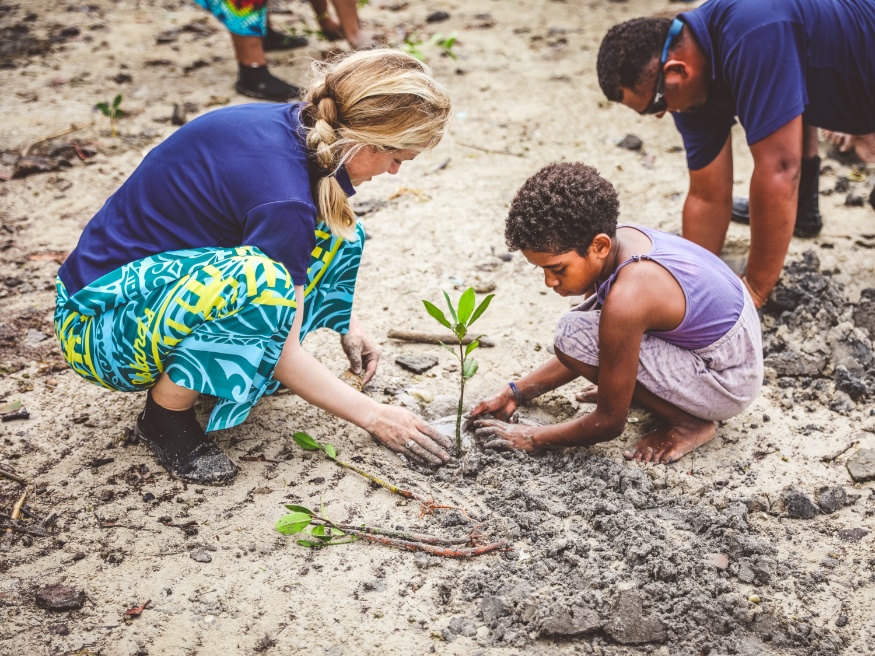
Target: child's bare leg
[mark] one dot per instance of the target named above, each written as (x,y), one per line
(683,432)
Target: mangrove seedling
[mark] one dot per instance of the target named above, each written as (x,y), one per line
(462,317)
(112,111)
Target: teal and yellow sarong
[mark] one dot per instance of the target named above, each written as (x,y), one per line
(214,319)
(241,17)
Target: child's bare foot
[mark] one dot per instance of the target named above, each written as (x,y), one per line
(669,444)
(589,395)
(862,145)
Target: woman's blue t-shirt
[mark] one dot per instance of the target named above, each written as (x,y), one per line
(235,176)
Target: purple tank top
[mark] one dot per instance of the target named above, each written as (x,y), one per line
(714,294)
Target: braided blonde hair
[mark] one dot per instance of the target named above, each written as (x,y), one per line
(382,99)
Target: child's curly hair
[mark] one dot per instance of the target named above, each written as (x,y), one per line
(561,208)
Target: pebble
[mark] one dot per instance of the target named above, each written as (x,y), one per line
(798,505)
(852,534)
(418,364)
(831,499)
(861,465)
(631,142)
(200,556)
(437,17)
(59,598)
(629,625)
(841,620)
(854,200)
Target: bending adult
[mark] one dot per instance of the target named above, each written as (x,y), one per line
(190,278)
(783,69)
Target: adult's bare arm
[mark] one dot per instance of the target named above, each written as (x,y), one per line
(773,198)
(708,207)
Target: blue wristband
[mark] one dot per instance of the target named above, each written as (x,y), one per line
(516,393)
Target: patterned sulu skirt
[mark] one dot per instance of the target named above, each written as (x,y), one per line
(213,319)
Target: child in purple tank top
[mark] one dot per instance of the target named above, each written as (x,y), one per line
(665,324)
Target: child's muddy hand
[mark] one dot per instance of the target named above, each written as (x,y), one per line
(589,395)
(363,354)
(501,435)
(501,406)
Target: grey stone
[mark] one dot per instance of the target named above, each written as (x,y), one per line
(577,621)
(201,556)
(33,337)
(631,142)
(855,200)
(852,534)
(59,598)
(864,311)
(462,626)
(794,363)
(629,625)
(744,545)
(831,499)
(492,608)
(798,505)
(861,465)
(418,364)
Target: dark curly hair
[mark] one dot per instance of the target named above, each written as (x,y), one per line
(561,208)
(626,51)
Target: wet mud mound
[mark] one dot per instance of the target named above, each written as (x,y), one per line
(608,552)
(817,342)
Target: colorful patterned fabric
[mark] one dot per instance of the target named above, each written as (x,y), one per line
(241,17)
(214,319)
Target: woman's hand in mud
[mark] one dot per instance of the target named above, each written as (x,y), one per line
(404,433)
(363,354)
(501,435)
(501,406)
(589,395)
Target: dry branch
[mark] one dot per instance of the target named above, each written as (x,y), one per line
(434,338)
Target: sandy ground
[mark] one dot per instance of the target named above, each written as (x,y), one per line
(706,556)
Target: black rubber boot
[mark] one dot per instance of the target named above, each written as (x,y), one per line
(257,82)
(275,40)
(181,446)
(808,220)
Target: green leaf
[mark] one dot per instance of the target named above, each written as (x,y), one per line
(452,309)
(469,368)
(10,407)
(292,523)
(305,441)
(337,532)
(466,305)
(299,509)
(481,308)
(318,530)
(330,451)
(117,101)
(103,107)
(313,544)
(460,331)
(450,350)
(473,345)
(435,312)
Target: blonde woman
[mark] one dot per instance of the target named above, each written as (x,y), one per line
(190,278)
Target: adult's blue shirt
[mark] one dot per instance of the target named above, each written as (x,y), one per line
(237,176)
(772,60)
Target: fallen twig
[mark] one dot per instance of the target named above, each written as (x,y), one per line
(16,511)
(845,449)
(18,414)
(17,526)
(12,477)
(446,552)
(489,150)
(420,337)
(259,458)
(403,535)
(62,133)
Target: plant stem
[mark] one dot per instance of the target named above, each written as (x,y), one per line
(407,494)
(461,401)
(402,535)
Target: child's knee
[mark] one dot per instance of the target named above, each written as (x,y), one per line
(577,336)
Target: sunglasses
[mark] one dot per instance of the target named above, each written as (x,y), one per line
(659,104)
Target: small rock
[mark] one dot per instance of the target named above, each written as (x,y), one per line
(59,598)
(631,142)
(148,496)
(59,629)
(437,17)
(842,184)
(854,200)
(492,608)
(178,116)
(578,621)
(852,534)
(831,499)
(797,505)
(629,625)
(841,620)
(201,556)
(418,364)
(861,465)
